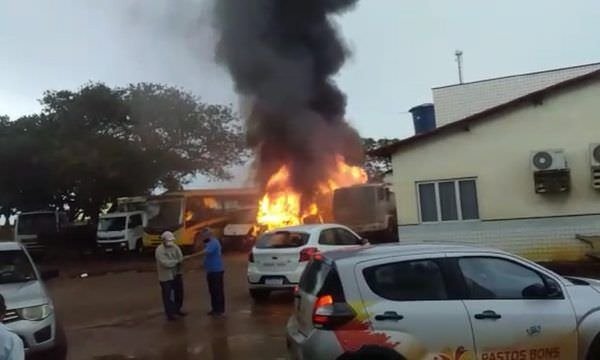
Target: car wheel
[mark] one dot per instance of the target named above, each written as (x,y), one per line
(139,246)
(372,352)
(260,294)
(594,350)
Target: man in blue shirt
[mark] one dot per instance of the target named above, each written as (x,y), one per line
(213,265)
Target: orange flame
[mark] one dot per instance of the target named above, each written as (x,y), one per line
(281,205)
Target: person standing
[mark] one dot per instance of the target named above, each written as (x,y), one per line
(11,346)
(169,260)
(213,265)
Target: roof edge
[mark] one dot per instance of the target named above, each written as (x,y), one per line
(390,149)
(516,75)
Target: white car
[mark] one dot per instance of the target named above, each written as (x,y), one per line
(442,302)
(279,257)
(30,311)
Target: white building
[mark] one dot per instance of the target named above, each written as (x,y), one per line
(473,178)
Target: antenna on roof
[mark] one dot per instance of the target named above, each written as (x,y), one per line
(459,55)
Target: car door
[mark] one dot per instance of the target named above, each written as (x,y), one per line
(138,228)
(133,230)
(517,310)
(411,301)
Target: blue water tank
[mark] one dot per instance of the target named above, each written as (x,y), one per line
(423,118)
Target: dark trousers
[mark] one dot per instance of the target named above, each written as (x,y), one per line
(172,295)
(215,288)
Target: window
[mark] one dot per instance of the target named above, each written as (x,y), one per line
(112,224)
(282,240)
(135,221)
(327,237)
(494,278)
(338,236)
(314,276)
(407,281)
(448,200)
(345,237)
(15,267)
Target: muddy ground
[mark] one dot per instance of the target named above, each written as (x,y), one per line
(118,314)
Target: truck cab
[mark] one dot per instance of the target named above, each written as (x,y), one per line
(121,231)
(368,209)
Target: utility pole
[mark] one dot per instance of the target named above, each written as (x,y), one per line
(459,55)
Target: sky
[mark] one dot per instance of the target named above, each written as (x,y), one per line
(401,49)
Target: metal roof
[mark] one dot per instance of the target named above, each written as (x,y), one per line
(458,101)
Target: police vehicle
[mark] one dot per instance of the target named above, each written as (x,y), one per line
(441,302)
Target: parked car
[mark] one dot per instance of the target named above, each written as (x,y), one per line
(445,302)
(279,257)
(30,311)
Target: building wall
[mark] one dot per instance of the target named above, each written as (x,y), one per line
(539,239)
(497,153)
(456,102)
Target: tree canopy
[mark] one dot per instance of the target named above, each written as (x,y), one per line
(88,147)
(376,166)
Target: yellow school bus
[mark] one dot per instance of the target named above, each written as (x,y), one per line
(187,212)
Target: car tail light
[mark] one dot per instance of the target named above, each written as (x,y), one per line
(307,253)
(251,257)
(328,314)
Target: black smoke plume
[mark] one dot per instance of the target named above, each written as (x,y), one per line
(282,55)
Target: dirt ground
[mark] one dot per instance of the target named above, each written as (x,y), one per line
(118,315)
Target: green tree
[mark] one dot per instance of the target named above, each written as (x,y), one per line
(90,146)
(376,166)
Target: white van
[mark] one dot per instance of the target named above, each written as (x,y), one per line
(121,231)
(31,225)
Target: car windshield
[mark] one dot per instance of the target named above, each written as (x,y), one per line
(282,239)
(15,267)
(112,224)
(32,224)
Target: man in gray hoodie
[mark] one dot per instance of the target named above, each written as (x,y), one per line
(169,260)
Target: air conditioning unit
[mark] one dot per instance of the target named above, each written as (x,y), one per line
(551,172)
(595,165)
(548,160)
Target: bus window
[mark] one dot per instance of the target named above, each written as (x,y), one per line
(164,213)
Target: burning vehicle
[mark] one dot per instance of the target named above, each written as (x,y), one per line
(282,56)
(369,210)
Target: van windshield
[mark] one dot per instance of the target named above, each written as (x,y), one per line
(282,239)
(15,267)
(33,224)
(112,224)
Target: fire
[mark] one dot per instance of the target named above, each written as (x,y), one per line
(281,205)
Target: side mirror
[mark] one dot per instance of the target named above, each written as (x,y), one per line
(364,241)
(535,291)
(49,274)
